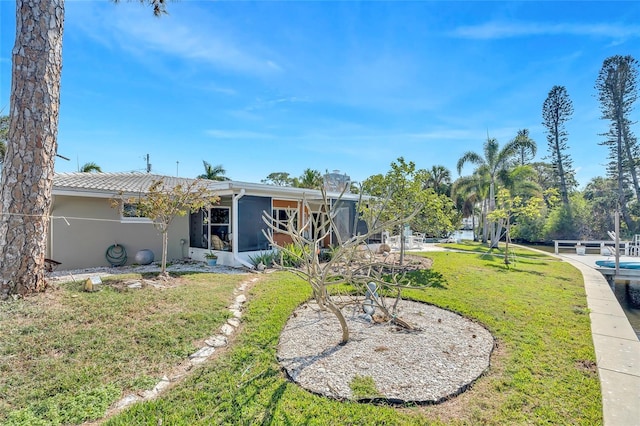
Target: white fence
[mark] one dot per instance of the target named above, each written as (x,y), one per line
(411,242)
(603,247)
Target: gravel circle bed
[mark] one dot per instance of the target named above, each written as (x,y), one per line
(441,359)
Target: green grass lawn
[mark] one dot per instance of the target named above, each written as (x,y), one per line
(542,372)
(67,355)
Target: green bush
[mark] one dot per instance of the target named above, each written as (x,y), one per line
(267,258)
(292,255)
(568,222)
(529,229)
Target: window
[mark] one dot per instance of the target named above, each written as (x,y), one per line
(219,218)
(282,216)
(131,212)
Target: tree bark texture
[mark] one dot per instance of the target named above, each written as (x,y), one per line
(564,193)
(27,175)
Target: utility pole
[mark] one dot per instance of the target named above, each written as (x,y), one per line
(177,164)
(617,242)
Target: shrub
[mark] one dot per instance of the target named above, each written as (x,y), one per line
(267,258)
(291,255)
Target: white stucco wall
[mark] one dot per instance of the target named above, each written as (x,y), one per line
(82,229)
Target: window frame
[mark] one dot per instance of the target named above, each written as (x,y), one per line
(124,218)
(288,212)
(218,225)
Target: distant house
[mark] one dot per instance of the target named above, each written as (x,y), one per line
(84,225)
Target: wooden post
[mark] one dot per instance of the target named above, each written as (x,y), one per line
(617,242)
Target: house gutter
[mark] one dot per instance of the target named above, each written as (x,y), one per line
(234,229)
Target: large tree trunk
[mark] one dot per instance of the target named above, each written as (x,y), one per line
(402,244)
(622,201)
(494,232)
(485,222)
(564,193)
(27,175)
(165,248)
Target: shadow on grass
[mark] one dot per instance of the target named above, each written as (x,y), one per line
(427,278)
(270,409)
(512,267)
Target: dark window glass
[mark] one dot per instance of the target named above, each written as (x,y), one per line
(197,238)
(131,210)
(250,236)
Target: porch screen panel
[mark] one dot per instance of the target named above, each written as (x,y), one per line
(197,230)
(361,225)
(250,223)
(345,219)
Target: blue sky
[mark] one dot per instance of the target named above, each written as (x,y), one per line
(263,87)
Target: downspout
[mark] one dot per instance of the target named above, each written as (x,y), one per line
(235,228)
(50,233)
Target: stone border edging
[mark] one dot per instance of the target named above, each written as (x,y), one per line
(214,342)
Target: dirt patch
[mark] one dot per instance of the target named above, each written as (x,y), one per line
(157,283)
(587,365)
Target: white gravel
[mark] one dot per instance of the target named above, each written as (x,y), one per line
(105,271)
(438,362)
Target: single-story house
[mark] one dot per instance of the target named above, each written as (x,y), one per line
(84,225)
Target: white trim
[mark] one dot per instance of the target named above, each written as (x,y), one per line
(290,212)
(132,219)
(234,224)
(124,219)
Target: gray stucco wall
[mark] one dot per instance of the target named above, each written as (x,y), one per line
(82,229)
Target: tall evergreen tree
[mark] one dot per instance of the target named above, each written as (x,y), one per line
(617,93)
(27,175)
(556,110)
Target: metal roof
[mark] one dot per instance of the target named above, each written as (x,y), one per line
(110,184)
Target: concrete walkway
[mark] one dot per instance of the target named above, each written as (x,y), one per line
(616,344)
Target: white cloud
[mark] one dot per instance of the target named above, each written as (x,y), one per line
(188,33)
(194,43)
(262,104)
(498,30)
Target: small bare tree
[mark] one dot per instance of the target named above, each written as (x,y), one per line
(162,204)
(352,261)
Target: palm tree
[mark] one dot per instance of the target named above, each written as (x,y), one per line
(474,190)
(90,167)
(310,178)
(440,180)
(494,162)
(527,149)
(213,172)
(522,181)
